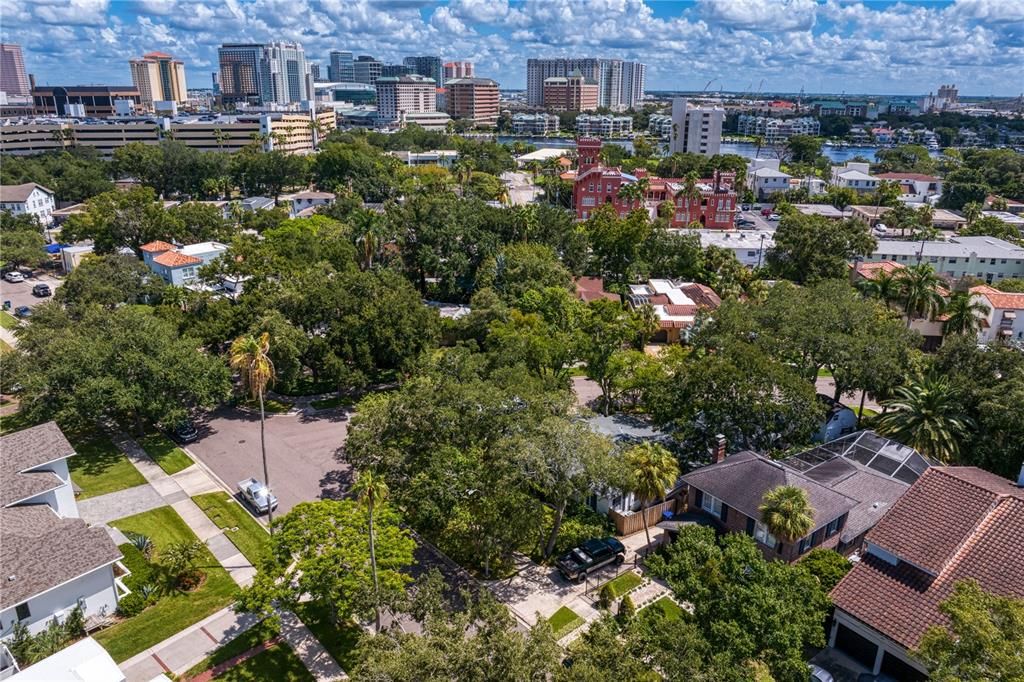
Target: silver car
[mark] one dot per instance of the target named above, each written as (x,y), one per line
(257,494)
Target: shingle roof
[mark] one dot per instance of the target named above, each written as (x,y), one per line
(154,247)
(28,449)
(42,551)
(176,259)
(19,193)
(958,522)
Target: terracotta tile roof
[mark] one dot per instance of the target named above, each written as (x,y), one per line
(1000,299)
(955,523)
(591,289)
(174,259)
(704,296)
(157,246)
(871,270)
(681,310)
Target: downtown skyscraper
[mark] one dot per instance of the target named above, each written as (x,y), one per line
(264,73)
(620,83)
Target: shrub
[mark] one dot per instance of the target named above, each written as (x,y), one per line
(20,643)
(827,565)
(149,592)
(74,624)
(134,561)
(605,597)
(626,610)
(142,543)
(131,605)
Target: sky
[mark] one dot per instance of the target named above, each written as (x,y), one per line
(831,46)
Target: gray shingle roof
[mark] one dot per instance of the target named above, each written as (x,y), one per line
(19,193)
(42,550)
(27,449)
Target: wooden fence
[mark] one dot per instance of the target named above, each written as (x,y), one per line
(627,524)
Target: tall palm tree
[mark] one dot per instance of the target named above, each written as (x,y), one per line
(250,356)
(971,211)
(919,289)
(926,415)
(635,192)
(787,512)
(925,215)
(371,491)
(963,314)
(463,172)
(654,470)
(885,287)
(368,226)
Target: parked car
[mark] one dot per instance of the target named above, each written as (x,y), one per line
(743,222)
(774,217)
(42,290)
(766,212)
(744,207)
(185,432)
(880,229)
(14,277)
(819,674)
(258,495)
(22,311)
(590,556)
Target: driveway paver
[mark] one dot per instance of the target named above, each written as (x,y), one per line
(119,504)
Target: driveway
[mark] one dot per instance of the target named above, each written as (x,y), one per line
(20,294)
(302,452)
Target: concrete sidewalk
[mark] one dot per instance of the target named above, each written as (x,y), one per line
(119,504)
(308,648)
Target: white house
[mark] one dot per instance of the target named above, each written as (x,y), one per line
(180,265)
(1005,319)
(444,158)
(28,198)
(764,178)
(303,202)
(51,560)
(917,188)
(854,175)
(749,246)
(83,661)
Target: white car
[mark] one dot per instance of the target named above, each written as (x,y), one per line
(14,277)
(881,229)
(819,674)
(774,217)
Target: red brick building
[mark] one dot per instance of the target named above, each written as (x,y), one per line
(595,185)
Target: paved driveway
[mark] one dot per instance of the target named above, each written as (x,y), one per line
(302,452)
(20,294)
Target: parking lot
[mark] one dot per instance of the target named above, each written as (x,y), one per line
(760,221)
(20,293)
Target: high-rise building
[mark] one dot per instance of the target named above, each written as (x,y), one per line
(215,80)
(570,93)
(388,70)
(539,70)
(620,84)
(399,95)
(314,71)
(13,79)
(458,70)
(695,129)
(262,74)
(341,69)
(159,78)
(475,99)
(427,66)
(634,79)
(366,69)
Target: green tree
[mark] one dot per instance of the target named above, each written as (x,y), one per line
(117,219)
(371,491)
(827,565)
(250,356)
(919,289)
(616,241)
(804,148)
(520,267)
(180,559)
(787,512)
(21,240)
(884,286)
(971,211)
(964,314)
(1010,284)
(654,470)
(201,223)
(109,281)
(991,226)
(605,330)
(983,640)
(811,247)
(927,415)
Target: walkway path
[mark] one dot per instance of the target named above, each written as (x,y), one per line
(119,504)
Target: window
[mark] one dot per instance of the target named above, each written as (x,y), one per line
(751,254)
(22,611)
(711,505)
(588,201)
(952,261)
(762,535)
(805,544)
(832,528)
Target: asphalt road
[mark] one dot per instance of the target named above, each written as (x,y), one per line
(520,190)
(302,452)
(760,222)
(21,293)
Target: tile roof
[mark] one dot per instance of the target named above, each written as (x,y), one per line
(175,259)
(19,193)
(42,551)
(871,270)
(592,288)
(28,449)
(956,523)
(1000,299)
(157,246)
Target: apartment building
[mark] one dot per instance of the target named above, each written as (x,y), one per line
(765,178)
(397,95)
(1005,317)
(28,198)
(776,130)
(620,84)
(258,73)
(428,66)
(854,175)
(603,125)
(341,69)
(534,124)
(570,93)
(475,99)
(695,129)
(461,69)
(82,100)
(13,78)
(987,258)
(159,77)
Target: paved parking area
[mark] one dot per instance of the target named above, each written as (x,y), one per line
(302,452)
(20,294)
(760,222)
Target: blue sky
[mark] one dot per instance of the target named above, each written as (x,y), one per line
(820,45)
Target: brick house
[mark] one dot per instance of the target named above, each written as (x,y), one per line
(850,483)
(954,524)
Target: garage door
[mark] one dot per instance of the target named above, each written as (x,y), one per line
(856,647)
(899,670)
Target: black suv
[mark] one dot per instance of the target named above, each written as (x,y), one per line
(590,556)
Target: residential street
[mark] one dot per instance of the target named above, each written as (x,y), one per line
(520,190)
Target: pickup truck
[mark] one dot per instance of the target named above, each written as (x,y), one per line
(258,495)
(590,556)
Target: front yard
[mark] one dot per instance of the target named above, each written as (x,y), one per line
(622,584)
(278,663)
(164,452)
(563,621)
(99,467)
(243,530)
(174,610)
(340,641)
(8,321)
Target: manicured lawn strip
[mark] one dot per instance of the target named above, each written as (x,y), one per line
(100,468)
(563,621)
(340,642)
(330,403)
(252,637)
(164,452)
(623,583)
(868,412)
(270,405)
(176,611)
(8,321)
(666,608)
(824,373)
(277,664)
(248,535)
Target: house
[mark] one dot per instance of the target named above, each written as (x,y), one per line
(675,303)
(592,288)
(83,661)
(947,220)
(749,246)
(257,203)
(930,330)
(303,201)
(824,210)
(839,420)
(953,524)
(854,175)
(51,560)
(987,258)
(917,188)
(1005,319)
(179,266)
(764,178)
(1012,206)
(30,198)
(850,483)
(872,215)
(1011,219)
(444,158)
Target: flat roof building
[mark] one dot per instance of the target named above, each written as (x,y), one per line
(570,93)
(398,95)
(159,78)
(475,99)
(82,100)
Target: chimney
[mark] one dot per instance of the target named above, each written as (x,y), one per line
(720,449)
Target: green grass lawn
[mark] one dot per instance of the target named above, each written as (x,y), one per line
(8,321)
(666,608)
(623,583)
(868,412)
(277,664)
(242,529)
(270,405)
(824,373)
(340,642)
(174,611)
(100,468)
(252,637)
(563,621)
(164,452)
(331,403)
(5,347)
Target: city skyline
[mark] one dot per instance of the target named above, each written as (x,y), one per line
(879,48)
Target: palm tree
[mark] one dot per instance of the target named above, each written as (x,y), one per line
(463,172)
(925,215)
(368,224)
(635,192)
(885,287)
(926,415)
(971,211)
(220,136)
(787,512)
(691,192)
(371,490)
(249,355)
(654,470)
(919,289)
(963,314)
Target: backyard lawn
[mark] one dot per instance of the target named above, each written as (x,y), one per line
(164,452)
(176,610)
(278,663)
(8,321)
(665,607)
(100,468)
(563,621)
(623,584)
(254,636)
(242,529)
(340,642)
